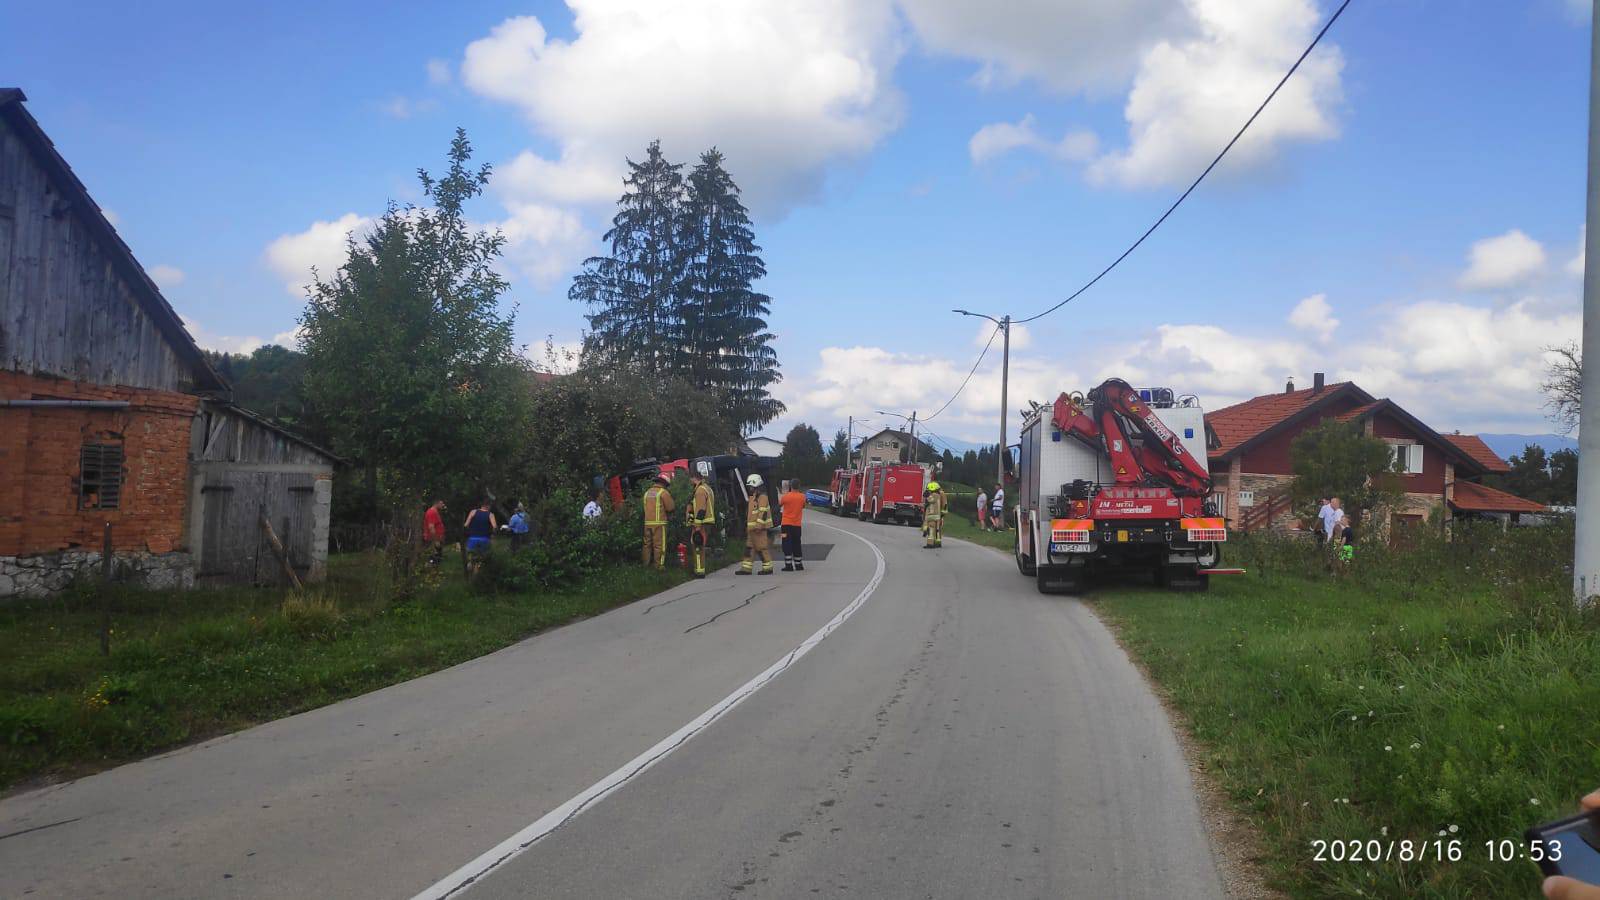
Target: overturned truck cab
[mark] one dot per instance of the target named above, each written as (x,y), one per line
(1117,480)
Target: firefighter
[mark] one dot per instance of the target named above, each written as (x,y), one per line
(657,504)
(757,521)
(701,517)
(932,516)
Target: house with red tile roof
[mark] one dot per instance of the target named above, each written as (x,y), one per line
(1251,468)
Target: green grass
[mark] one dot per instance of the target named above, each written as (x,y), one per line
(1441,689)
(185,666)
(959,524)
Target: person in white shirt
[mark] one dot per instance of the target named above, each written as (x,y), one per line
(591,510)
(983,510)
(997,505)
(1330,515)
(1322,519)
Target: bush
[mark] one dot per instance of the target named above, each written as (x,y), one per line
(313,617)
(566,548)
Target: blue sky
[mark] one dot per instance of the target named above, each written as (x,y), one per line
(1407,214)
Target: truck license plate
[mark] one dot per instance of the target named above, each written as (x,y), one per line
(1071,548)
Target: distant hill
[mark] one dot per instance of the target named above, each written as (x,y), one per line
(1507,444)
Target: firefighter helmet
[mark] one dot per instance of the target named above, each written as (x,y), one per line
(663,478)
(753,482)
(933,485)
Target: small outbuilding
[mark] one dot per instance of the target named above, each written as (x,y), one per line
(112,420)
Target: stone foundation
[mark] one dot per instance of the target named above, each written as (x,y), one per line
(49,573)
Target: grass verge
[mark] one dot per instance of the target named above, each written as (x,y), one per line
(960,523)
(190,666)
(1443,694)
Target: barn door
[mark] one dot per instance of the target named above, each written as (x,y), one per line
(300,491)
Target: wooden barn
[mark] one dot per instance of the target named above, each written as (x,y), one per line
(112,419)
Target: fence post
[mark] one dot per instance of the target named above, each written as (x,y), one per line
(105,593)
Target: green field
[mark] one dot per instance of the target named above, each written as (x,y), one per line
(191,665)
(1446,693)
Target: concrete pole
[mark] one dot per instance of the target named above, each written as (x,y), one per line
(1005,401)
(850,443)
(1586,552)
(914,437)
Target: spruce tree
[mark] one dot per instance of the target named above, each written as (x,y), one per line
(635,290)
(723,338)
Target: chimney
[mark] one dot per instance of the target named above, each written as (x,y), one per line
(1317,383)
(1288,387)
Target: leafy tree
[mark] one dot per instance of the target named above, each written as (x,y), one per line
(635,291)
(803,457)
(270,381)
(409,363)
(722,330)
(1340,459)
(839,450)
(1530,474)
(1563,385)
(597,423)
(1563,478)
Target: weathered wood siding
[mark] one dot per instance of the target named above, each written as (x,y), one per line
(243,470)
(65,309)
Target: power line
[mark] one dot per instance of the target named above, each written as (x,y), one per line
(968,378)
(1240,133)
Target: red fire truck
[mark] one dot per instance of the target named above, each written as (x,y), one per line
(845,491)
(891,492)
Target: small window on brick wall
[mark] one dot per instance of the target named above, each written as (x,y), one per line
(100,475)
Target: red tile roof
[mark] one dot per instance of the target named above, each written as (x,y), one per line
(1359,411)
(1474,447)
(1241,422)
(1471,497)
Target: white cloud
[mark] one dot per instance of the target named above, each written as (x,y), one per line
(439,72)
(1579,10)
(782,88)
(1503,261)
(166,277)
(222,343)
(1191,94)
(321,246)
(1067,45)
(544,242)
(1575,265)
(398,107)
(571,180)
(1314,315)
(999,138)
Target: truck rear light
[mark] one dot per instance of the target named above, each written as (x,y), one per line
(1069,537)
(1070,531)
(1199,535)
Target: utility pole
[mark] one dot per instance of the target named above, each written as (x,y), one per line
(850,443)
(1586,549)
(1005,379)
(913,436)
(1004,324)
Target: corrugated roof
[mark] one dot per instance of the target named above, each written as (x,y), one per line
(1473,446)
(1242,423)
(1472,497)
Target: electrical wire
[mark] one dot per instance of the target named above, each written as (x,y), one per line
(964,381)
(1185,195)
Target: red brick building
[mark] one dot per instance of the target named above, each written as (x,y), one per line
(110,414)
(1252,472)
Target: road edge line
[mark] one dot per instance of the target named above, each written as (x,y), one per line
(545,825)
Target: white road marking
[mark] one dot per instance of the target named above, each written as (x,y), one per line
(514,846)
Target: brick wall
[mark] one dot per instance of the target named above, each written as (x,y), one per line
(39,467)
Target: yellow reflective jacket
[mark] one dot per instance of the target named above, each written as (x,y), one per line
(657,503)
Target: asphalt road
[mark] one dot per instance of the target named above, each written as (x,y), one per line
(945,731)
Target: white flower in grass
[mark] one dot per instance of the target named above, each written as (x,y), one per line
(1416,745)
(1499,728)
(1384,831)
(1387,748)
(1454,828)
(1441,832)
(1352,718)
(1369,713)
(1533,801)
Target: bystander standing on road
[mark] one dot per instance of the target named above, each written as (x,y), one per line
(519,528)
(433,531)
(591,510)
(983,510)
(997,507)
(793,504)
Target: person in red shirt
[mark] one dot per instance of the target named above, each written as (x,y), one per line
(433,531)
(793,503)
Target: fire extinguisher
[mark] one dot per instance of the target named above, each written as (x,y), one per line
(683,555)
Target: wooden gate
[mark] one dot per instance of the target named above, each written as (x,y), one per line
(233,548)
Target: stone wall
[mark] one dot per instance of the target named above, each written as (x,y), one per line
(49,573)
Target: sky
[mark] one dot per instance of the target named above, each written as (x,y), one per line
(1407,214)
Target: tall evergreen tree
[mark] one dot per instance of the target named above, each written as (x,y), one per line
(635,290)
(723,338)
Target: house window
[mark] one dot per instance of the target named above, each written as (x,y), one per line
(100,476)
(1406,458)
